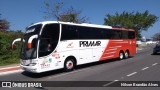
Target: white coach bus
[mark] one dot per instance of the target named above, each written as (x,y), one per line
(51,45)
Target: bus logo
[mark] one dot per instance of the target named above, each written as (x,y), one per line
(89,43)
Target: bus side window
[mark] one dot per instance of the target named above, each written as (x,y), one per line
(69,32)
(131,35)
(49,39)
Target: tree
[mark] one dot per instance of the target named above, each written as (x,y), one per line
(4,24)
(137,21)
(156,36)
(68,15)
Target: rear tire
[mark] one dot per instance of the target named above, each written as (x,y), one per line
(154,53)
(121,55)
(126,54)
(69,64)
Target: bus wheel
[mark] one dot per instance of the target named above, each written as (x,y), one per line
(126,54)
(121,55)
(69,64)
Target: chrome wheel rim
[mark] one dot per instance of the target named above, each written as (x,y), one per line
(126,55)
(69,64)
(121,56)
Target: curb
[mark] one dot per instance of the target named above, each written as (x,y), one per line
(8,70)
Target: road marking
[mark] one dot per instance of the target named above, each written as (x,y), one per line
(145,68)
(154,64)
(116,80)
(105,85)
(132,74)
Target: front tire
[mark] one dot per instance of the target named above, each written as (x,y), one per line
(69,64)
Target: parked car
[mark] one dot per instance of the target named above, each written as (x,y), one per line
(149,42)
(156,49)
(138,42)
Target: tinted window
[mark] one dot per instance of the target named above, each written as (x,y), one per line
(124,34)
(104,33)
(49,39)
(116,34)
(131,35)
(119,34)
(90,33)
(69,32)
(51,31)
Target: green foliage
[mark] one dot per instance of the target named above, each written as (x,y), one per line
(7,54)
(137,21)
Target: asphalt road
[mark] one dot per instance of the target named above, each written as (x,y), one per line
(142,67)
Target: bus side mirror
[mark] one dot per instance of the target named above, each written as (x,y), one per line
(16,40)
(30,40)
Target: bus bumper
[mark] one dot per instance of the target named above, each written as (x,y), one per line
(32,69)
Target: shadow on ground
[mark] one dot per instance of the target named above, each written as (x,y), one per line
(60,71)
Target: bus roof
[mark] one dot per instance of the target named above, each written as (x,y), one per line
(83,24)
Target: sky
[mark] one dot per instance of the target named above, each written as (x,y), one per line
(22,13)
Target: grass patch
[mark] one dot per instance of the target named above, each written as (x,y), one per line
(10,58)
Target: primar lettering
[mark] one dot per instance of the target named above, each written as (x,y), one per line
(89,43)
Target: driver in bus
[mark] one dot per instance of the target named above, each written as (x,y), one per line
(49,46)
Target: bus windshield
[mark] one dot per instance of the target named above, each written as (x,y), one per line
(30,53)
